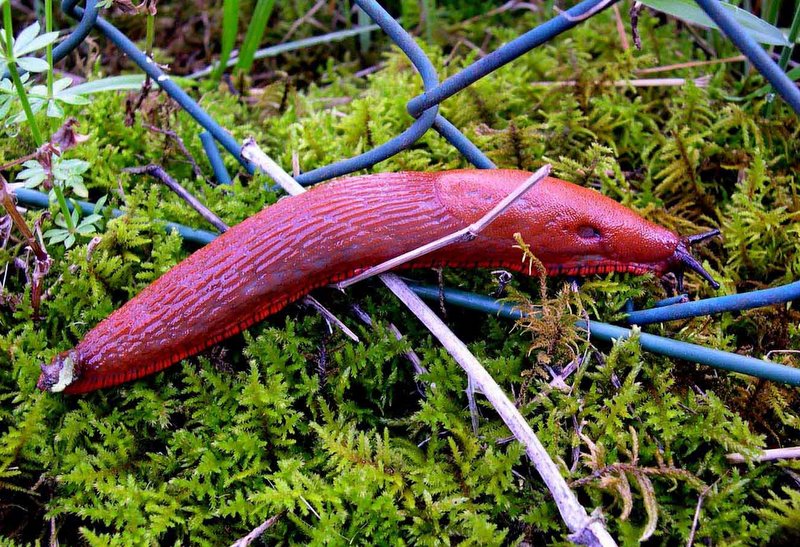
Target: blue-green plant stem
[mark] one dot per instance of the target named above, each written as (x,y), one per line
(62,203)
(771,13)
(364,40)
(48,27)
(794,31)
(428,9)
(150,34)
(12,70)
(786,53)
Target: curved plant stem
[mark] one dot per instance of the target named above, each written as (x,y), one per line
(48,27)
(786,53)
(12,70)
(62,203)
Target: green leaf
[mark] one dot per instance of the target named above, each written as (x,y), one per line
(688,11)
(38,42)
(26,37)
(128,82)
(32,64)
(230,28)
(56,235)
(255,31)
(71,98)
(54,110)
(86,229)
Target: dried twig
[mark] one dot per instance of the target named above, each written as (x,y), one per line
(623,37)
(19,160)
(585,529)
(8,204)
(769,354)
(466,234)
(411,355)
(307,18)
(42,261)
(577,18)
(771,454)
(689,64)
(181,145)
(636,9)
(157,172)
(508,6)
(257,532)
(696,519)
(701,81)
(332,319)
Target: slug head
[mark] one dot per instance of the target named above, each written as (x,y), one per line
(617,235)
(572,230)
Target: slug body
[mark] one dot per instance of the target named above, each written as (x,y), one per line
(340,228)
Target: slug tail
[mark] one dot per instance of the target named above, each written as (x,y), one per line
(58,375)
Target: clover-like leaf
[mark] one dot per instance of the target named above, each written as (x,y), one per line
(32,64)
(30,40)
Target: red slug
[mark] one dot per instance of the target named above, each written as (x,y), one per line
(339,228)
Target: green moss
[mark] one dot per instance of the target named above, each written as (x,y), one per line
(333,435)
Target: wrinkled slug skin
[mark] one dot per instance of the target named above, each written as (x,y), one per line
(338,228)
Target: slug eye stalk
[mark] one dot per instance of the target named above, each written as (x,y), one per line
(683,258)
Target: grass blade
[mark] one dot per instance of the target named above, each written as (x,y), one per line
(255,31)
(230,28)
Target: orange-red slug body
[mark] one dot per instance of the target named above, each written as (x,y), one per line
(339,228)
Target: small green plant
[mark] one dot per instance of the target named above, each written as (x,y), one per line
(85,227)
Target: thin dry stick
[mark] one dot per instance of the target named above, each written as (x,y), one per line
(633,13)
(702,81)
(623,37)
(416,362)
(585,530)
(42,261)
(257,532)
(181,145)
(466,234)
(771,352)
(158,172)
(307,18)
(511,5)
(771,454)
(328,315)
(696,520)
(18,161)
(688,64)
(576,18)
(11,208)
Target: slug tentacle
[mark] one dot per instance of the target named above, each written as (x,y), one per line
(683,258)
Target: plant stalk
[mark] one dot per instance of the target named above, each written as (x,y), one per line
(786,53)
(12,70)
(48,27)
